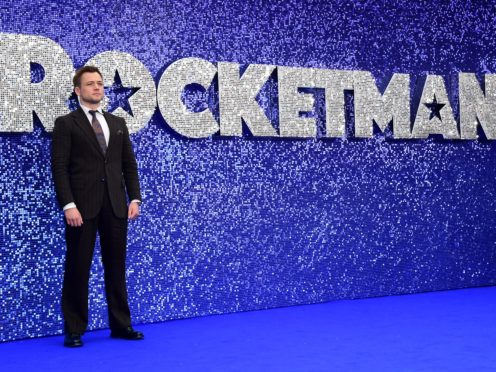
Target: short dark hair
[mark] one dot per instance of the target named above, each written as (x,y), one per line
(76,80)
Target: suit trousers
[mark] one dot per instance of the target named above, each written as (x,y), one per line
(80,246)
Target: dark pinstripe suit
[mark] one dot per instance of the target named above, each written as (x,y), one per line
(98,185)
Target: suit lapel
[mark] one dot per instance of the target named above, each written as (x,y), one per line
(83,123)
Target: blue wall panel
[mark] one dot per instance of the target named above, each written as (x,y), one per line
(234,224)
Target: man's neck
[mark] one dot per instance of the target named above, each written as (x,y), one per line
(90,106)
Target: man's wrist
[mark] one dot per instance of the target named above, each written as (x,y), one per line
(69,206)
(137,201)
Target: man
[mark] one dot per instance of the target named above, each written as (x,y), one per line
(93,168)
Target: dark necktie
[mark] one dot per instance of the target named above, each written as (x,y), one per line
(97,128)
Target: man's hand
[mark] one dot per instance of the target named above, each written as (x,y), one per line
(133,210)
(73,217)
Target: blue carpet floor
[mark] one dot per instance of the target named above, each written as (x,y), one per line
(441,331)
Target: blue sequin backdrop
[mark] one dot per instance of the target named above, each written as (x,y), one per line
(236,224)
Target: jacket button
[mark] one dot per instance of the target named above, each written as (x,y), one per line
(102,180)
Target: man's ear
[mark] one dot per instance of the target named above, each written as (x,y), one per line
(77,90)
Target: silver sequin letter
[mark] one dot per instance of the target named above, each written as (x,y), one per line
(393,105)
(475,105)
(18,95)
(172,83)
(237,98)
(335,82)
(133,74)
(292,102)
(435,120)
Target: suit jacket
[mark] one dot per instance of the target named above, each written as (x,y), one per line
(80,169)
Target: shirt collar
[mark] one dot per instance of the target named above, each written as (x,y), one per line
(87,109)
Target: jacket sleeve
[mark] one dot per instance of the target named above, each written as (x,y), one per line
(61,150)
(129,166)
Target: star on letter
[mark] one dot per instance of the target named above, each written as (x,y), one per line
(435,108)
(118,95)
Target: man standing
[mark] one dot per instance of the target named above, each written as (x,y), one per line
(93,167)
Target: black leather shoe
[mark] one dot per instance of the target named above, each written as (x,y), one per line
(127,334)
(73,340)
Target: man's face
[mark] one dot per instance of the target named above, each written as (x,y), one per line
(91,89)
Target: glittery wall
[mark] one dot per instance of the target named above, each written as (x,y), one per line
(235,223)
